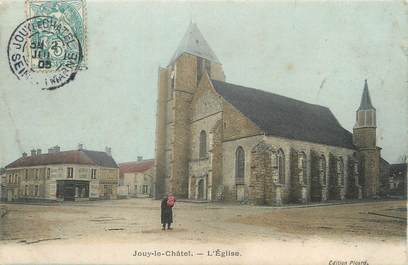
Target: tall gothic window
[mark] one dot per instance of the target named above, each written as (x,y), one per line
(302,168)
(340,171)
(203,144)
(355,172)
(239,165)
(172,81)
(322,170)
(281,166)
(203,65)
(274,163)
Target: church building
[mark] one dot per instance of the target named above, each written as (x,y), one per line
(221,141)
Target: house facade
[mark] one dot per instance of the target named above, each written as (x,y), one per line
(136,178)
(221,141)
(62,176)
(2,182)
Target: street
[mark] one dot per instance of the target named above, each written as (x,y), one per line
(364,225)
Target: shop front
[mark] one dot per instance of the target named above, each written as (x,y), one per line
(72,190)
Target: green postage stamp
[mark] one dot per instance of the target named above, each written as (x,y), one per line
(69,12)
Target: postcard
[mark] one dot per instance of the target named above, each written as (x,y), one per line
(203,132)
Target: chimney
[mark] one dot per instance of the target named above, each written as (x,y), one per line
(139,158)
(108,150)
(33,152)
(24,154)
(38,151)
(80,146)
(54,149)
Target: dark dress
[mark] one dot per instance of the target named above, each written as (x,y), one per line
(166,212)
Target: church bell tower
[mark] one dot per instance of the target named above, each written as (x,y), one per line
(177,84)
(364,138)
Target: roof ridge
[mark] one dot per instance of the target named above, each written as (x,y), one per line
(129,162)
(83,157)
(89,157)
(275,94)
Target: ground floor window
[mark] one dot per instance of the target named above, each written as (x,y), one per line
(107,191)
(145,189)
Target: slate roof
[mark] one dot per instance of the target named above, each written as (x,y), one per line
(365,99)
(76,157)
(194,43)
(135,166)
(384,162)
(286,117)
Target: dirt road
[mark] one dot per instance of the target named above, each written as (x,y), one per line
(203,225)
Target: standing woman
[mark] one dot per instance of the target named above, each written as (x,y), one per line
(167,211)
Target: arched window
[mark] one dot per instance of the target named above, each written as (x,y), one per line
(302,168)
(239,165)
(281,166)
(274,163)
(322,169)
(356,172)
(203,144)
(340,171)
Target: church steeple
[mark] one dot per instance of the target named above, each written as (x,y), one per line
(366,113)
(364,138)
(365,99)
(194,43)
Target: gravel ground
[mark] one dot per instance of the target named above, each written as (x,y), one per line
(359,227)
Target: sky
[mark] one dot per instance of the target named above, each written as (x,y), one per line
(318,52)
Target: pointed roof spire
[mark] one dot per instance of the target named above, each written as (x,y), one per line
(365,99)
(194,43)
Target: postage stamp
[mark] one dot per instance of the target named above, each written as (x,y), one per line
(44,42)
(49,47)
(71,12)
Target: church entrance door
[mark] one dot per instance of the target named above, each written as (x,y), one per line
(240,192)
(201,190)
(10,195)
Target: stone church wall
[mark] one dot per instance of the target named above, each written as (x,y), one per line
(307,148)
(206,114)
(229,149)
(160,147)
(237,125)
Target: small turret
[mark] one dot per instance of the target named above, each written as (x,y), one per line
(364,138)
(364,132)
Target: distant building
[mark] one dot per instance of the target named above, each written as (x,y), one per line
(398,179)
(2,181)
(136,178)
(384,189)
(61,175)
